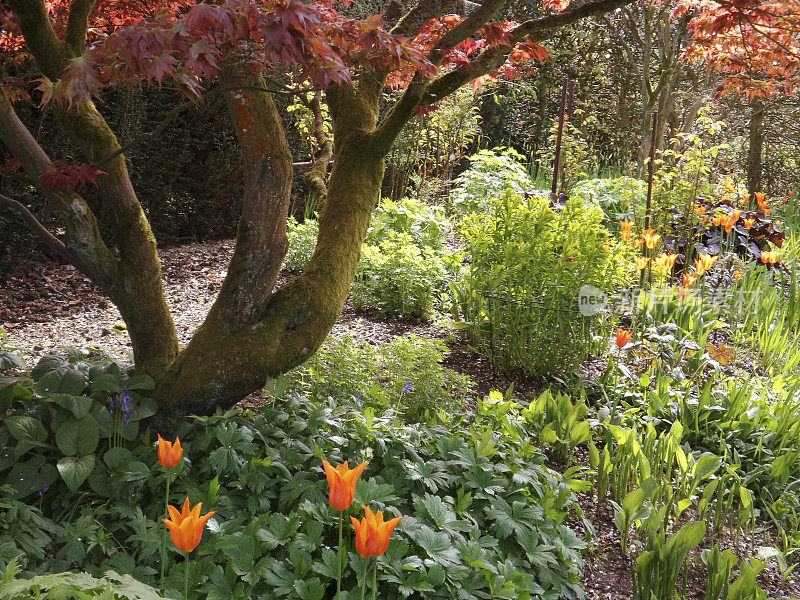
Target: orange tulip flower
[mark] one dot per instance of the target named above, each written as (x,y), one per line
(186,527)
(705,262)
(342,483)
(699,210)
(372,534)
(778,223)
(748,223)
(719,218)
(650,238)
(169,453)
(689,280)
(669,261)
(729,186)
(623,337)
(760,196)
(641,262)
(626,232)
(769,258)
(737,275)
(791,193)
(767,211)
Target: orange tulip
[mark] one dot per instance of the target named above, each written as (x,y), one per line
(729,186)
(669,261)
(719,218)
(186,527)
(760,196)
(791,193)
(623,337)
(626,233)
(169,453)
(704,264)
(342,483)
(767,211)
(748,223)
(769,258)
(641,262)
(699,210)
(650,238)
(372,534)
(638,242)
(778,223)
(737,275)
(689,279)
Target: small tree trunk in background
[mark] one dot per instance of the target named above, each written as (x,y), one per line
(755,152)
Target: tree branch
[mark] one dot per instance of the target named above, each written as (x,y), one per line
(417,17)
(77,24)
(40,231)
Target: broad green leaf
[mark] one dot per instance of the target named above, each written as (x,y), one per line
(74,470)
(78,436)
(26,429)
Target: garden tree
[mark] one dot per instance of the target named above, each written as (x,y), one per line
(243,50)
(756,46)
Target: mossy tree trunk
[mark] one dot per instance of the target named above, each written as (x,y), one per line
(252,331)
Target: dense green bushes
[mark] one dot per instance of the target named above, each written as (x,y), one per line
(483,516)
(405,374)
(526,267)
(405,266)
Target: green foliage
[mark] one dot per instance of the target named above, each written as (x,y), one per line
(430,146)
(73,586)
(482,514)
(57,420)
(404,264)
(526,266)
(405,374)
(490,174)
(577,158)
(619,198)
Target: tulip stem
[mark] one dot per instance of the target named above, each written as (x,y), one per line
(375,578)
(339,578)
(364,587)
(164,536)
(186,581)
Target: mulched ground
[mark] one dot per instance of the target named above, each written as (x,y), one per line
(53,305)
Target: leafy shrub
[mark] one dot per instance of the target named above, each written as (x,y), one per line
(61,420)
(490,174)
(302,241)
(405,374)
(526,265)
(404,263)
(617,197)
(77,586)
(483,515)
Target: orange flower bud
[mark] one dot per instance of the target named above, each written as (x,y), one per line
(342,483)
(372,534)
(169,453)
(186,527)
(737,275)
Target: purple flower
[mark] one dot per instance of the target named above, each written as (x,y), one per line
(43,490)
(125,408)
(408,387)
(358,398)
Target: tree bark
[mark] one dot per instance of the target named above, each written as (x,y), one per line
(756,148)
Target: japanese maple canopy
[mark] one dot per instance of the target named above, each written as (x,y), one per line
(755,43)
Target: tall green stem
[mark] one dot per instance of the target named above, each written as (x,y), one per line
(164,534)
(375,579)
(186,581)
(339,577)
(364,586)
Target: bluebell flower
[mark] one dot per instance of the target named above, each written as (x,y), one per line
(43,490)
(408,387)
(126,410)
(358,398)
